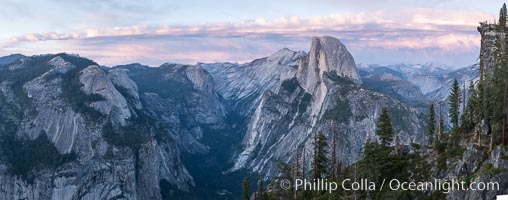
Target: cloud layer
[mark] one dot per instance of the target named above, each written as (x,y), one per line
(411,35)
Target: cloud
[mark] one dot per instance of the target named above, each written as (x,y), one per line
(442,31)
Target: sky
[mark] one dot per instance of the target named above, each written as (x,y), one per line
(114,32)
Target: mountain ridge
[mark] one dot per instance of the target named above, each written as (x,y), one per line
(225,117)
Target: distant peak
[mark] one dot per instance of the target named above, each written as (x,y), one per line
(172,65)
(16,55)
(285,50)
(285,55)
(10,58)
(131,66)
(282,52)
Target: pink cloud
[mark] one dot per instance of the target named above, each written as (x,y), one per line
(415,29)
(417,19)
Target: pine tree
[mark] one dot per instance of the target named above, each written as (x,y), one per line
(454,102)
(284,173)
(384,128)
(469,118)
(338,169)
(505,80)
(246,188)
(314,157)
(505,92)
(431,124)
(333,168)
(303,163)
(440,126)
(439,135)
(498,88)
(495,90)
(480,100)
(261,194)
(502,18)
(320,157)
(368,165)
(296,164)
(505,107)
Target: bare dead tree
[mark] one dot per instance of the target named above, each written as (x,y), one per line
(333,170)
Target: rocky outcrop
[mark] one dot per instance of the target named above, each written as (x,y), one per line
(55,118)
(326,55)
(473,164)
(96,81)
(499,158)
(200,79)
(491,38)
(124,83)
(470,162)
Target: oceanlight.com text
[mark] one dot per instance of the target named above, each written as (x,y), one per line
(445,186)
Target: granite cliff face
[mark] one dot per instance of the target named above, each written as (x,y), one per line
(242,85)
(70,101)
(326,55)
(490,36)
(325,89)
(182,99)
(96,81)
